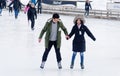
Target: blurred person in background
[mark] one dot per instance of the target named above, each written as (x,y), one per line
(87,8)
(39,6)
(32,15)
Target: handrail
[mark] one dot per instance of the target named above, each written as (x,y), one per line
(107,14)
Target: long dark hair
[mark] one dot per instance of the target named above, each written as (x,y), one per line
(82,22)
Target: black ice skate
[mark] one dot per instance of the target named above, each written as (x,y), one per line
(71,66)
(82,66)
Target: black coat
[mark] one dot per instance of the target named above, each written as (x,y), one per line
(1,3)
(79,40)
(87,6)
(32,14)
(16,4)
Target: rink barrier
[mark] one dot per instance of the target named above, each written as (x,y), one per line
(71,10)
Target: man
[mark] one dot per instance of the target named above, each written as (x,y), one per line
(17,6)
(53,37)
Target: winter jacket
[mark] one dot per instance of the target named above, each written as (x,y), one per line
(1,3)
(16,4)
(79,44)
(47,29)
(32,13)
(87,6)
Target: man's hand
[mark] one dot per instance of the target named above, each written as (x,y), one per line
(39,40)
(67,37)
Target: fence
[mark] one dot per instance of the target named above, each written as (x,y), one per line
(72,10)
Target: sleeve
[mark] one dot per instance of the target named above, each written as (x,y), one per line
(43,30)
(10,4)
(63,28)
(72,32)
(35,13)
(90,6)
(28,14)
(89,33)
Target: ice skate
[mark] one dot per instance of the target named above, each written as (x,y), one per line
(82,66)
(71,66)
(42,65)
(59,65)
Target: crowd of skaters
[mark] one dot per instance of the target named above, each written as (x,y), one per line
(53,35)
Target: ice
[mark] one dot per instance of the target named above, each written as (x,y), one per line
(21,54)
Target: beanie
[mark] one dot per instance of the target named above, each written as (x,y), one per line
(55,15)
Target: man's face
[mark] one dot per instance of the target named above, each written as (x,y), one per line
(55,20)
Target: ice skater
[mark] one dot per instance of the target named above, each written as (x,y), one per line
(17,6)
(53,29)
(39,6)
(32,15)
(79,30)
(87,8)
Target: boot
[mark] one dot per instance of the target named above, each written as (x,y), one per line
(42,65)
(59,65)
(82,66)
(71,66)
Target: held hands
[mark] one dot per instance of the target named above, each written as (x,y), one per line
(39,40)
(67,37)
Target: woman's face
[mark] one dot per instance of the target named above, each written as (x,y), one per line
(78,22)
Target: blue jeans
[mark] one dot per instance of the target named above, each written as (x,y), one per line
(0,10)
(16,12)
(81,58)
(86,13)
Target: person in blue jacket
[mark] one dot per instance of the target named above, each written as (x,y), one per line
(79,45)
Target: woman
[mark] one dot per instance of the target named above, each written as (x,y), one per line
(79,29)
(32,15)
(1,3)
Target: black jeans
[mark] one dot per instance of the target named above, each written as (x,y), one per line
(32,23)
(47,50)
(39,9)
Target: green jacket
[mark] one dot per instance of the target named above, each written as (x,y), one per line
(47,29)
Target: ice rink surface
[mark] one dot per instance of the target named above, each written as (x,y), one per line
(21,54)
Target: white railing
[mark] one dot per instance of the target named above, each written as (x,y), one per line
(71,10)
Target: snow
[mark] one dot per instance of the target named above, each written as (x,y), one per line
(21,54)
